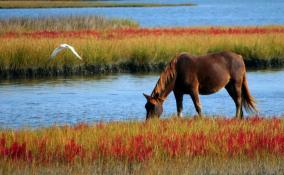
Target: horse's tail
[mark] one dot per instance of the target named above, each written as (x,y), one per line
(248,101)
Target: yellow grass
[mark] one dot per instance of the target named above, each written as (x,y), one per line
(24,52)
(191,146)
(131,50)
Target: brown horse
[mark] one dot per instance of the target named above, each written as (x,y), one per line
(186,74)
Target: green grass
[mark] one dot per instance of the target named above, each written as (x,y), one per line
(64,4)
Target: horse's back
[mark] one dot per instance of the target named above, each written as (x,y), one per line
(212,71)
(234,63)
(227,58)
(223,61)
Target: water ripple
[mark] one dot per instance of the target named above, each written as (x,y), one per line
(118,97)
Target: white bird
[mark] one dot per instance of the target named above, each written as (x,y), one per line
(63,47)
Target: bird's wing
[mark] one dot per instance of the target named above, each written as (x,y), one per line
(55,52)
(74,51)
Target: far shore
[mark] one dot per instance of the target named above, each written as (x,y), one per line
(80,4)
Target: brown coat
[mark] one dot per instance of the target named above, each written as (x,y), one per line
(186,74)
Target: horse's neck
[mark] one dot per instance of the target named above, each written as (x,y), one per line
(168,89)
(166,81)
(162,93)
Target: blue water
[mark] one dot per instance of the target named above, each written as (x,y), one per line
(43,102)
(207,12)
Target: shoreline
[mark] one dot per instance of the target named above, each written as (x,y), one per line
(132,68)
(80,4)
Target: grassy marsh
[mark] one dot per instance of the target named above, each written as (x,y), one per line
(131,50)
(119,45)
(64,23)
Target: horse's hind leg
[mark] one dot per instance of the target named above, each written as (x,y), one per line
(195,98)
(235,91)
(179,98)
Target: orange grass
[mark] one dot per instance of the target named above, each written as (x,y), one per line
(136,143)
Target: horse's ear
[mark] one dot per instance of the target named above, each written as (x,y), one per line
(148,97)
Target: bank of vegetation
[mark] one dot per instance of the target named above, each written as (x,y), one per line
(121,46)
(62,24)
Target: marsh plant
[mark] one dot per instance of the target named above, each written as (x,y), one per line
(183,145)
(133,50)
(64,23)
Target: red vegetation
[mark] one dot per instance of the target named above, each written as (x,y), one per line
(229,138)
(73,150)
(135,32)
(16,151)
(134,149)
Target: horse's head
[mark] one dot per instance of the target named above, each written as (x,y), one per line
(154,106)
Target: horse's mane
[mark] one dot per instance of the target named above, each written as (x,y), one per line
(166,77)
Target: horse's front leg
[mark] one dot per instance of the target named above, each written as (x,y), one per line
(195,98)
(179,98)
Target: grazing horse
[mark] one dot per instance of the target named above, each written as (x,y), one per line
(186,74)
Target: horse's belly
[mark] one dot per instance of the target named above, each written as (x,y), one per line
(213,85)
(208,91)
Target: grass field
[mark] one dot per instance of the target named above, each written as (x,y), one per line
(78,3)
(194,146)
(119,45)
(26,53)
(64,23)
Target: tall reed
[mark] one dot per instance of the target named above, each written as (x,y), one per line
(27,54)
(64,23)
